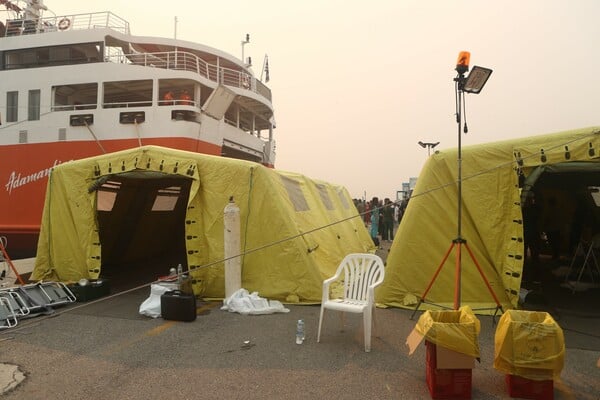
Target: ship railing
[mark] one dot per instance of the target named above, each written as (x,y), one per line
(126,104)
(72,107)
(186,61)
(18,27)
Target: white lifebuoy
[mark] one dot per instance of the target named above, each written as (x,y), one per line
(64,23)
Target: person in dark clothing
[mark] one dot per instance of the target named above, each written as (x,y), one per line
(375,220)
(388,221)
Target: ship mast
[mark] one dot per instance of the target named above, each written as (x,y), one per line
(34,8)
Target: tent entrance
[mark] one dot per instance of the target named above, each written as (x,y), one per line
(562,204)
(141,220)
(561,211)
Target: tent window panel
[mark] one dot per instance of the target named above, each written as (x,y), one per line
(295,194)
(106,200)
(324,194)
(164,203)
(343,199)
(595,193)
(166,199)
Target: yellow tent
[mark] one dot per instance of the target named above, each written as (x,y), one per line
(494,176)
(148,209)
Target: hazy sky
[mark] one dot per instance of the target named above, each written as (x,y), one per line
(356,84)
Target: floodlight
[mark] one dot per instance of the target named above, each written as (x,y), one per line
(428,146)
(476,79)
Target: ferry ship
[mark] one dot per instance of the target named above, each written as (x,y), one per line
(75,86)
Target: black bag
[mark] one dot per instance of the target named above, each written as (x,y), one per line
(178,306)
(376,241)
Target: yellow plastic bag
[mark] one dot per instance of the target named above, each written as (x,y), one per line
(529,344)
(457,330)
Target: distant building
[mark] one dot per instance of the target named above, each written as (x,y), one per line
(407,189)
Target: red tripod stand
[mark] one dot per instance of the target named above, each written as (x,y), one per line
(457,243)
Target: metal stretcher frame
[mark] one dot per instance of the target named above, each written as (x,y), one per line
(47,294)
(8,319)
(16,302)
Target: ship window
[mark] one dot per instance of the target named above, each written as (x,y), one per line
(33,109)
(82,96)
(295,194)
(128,94)
(78,53)
(177,92)
(12,106)
(324,194)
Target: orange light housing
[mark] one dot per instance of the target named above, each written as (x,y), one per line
(462,64)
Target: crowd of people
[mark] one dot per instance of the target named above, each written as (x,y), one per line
(381,217)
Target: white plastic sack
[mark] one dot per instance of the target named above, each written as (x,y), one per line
(151,306)
(245,303)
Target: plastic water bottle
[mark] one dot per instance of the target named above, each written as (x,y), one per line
(300,332)
(179,274)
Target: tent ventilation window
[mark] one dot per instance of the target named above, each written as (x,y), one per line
(595,192)
(325,197)
(166,199)
(295,194)
(343,199)
(107,195)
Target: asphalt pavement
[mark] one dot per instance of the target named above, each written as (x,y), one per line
(106,350)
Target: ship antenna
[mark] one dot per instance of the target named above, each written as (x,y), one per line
(245,42)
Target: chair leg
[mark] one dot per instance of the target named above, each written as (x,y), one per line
(320,322)
(374,323)
(367,328)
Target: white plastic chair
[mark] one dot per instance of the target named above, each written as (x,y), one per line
(361,274)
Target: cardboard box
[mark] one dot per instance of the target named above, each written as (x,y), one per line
(449,359)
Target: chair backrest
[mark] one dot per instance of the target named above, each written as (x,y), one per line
(361,270)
